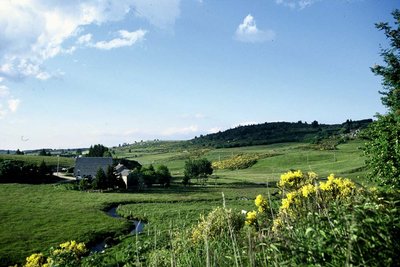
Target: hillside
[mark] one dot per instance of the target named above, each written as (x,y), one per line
(278,132)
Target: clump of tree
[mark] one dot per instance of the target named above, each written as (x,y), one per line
(148,176)
(43,152)
(197,169)
(99,151)
(12,171)
(19,152)
(103,180)
(383,147)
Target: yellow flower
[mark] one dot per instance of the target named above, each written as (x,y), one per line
(35,260)
(288,201)
(290,178)
(312,175)
(307,190)
(251,217)
(261,203)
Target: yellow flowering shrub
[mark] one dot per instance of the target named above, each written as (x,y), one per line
(237,162)
(295,179)
(261,203)
(337,187)
(307,190)
(36,260)
(78,249)
(251,217)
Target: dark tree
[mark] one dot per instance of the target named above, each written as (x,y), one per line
(199,168)
(98,151)
(383,148)
(43,152)
(19,152)
(100,181)
(163,175)
(148,175)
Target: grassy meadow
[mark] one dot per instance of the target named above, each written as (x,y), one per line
(34,159)
(36,217)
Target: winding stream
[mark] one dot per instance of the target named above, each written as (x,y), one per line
(136,228)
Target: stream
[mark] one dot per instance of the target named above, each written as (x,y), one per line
(136,228)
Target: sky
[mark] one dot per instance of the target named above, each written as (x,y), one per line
(76,73)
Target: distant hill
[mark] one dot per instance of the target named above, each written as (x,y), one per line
(278,132)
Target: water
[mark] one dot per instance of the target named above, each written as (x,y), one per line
(136,228)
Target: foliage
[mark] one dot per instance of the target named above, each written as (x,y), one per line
(163,175)
(68,254)
(106,179)
(217,223)
(242,161)
(197,168)
(43,152)
(98,151)
(19,172)
(276,132)
(383,148)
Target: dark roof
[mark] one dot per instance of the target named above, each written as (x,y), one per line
(88,166)
(120,167)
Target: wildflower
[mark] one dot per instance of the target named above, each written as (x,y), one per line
(251,217)
(288,201)
(261,203)
(36,260)
(307,190)
(291,178)
(312,175)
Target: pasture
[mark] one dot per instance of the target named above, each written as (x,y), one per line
(36,217)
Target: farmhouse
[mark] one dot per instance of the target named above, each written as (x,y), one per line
(88,166)
(123,172)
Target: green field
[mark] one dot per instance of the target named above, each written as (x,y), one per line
(33,159)
(36,217)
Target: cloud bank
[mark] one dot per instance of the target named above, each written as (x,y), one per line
(37,30)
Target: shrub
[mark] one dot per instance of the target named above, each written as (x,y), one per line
(237,162)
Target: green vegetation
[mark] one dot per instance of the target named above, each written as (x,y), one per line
(383,149)
(278,132)
(197,169)
(63,162)
(98,151)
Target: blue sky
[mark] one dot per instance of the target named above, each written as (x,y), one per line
(76,73)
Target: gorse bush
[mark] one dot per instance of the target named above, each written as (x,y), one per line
(237,162)
(67,254)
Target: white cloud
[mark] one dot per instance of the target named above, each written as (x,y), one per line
(13,104)
(300,4)
(4,91)
(7,102)
(84,39)
(36,30)
(180,131)
(126,39)
(214,130)
(248,32)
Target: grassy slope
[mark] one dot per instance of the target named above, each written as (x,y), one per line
(347,160)
(52,161)
(35,217)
